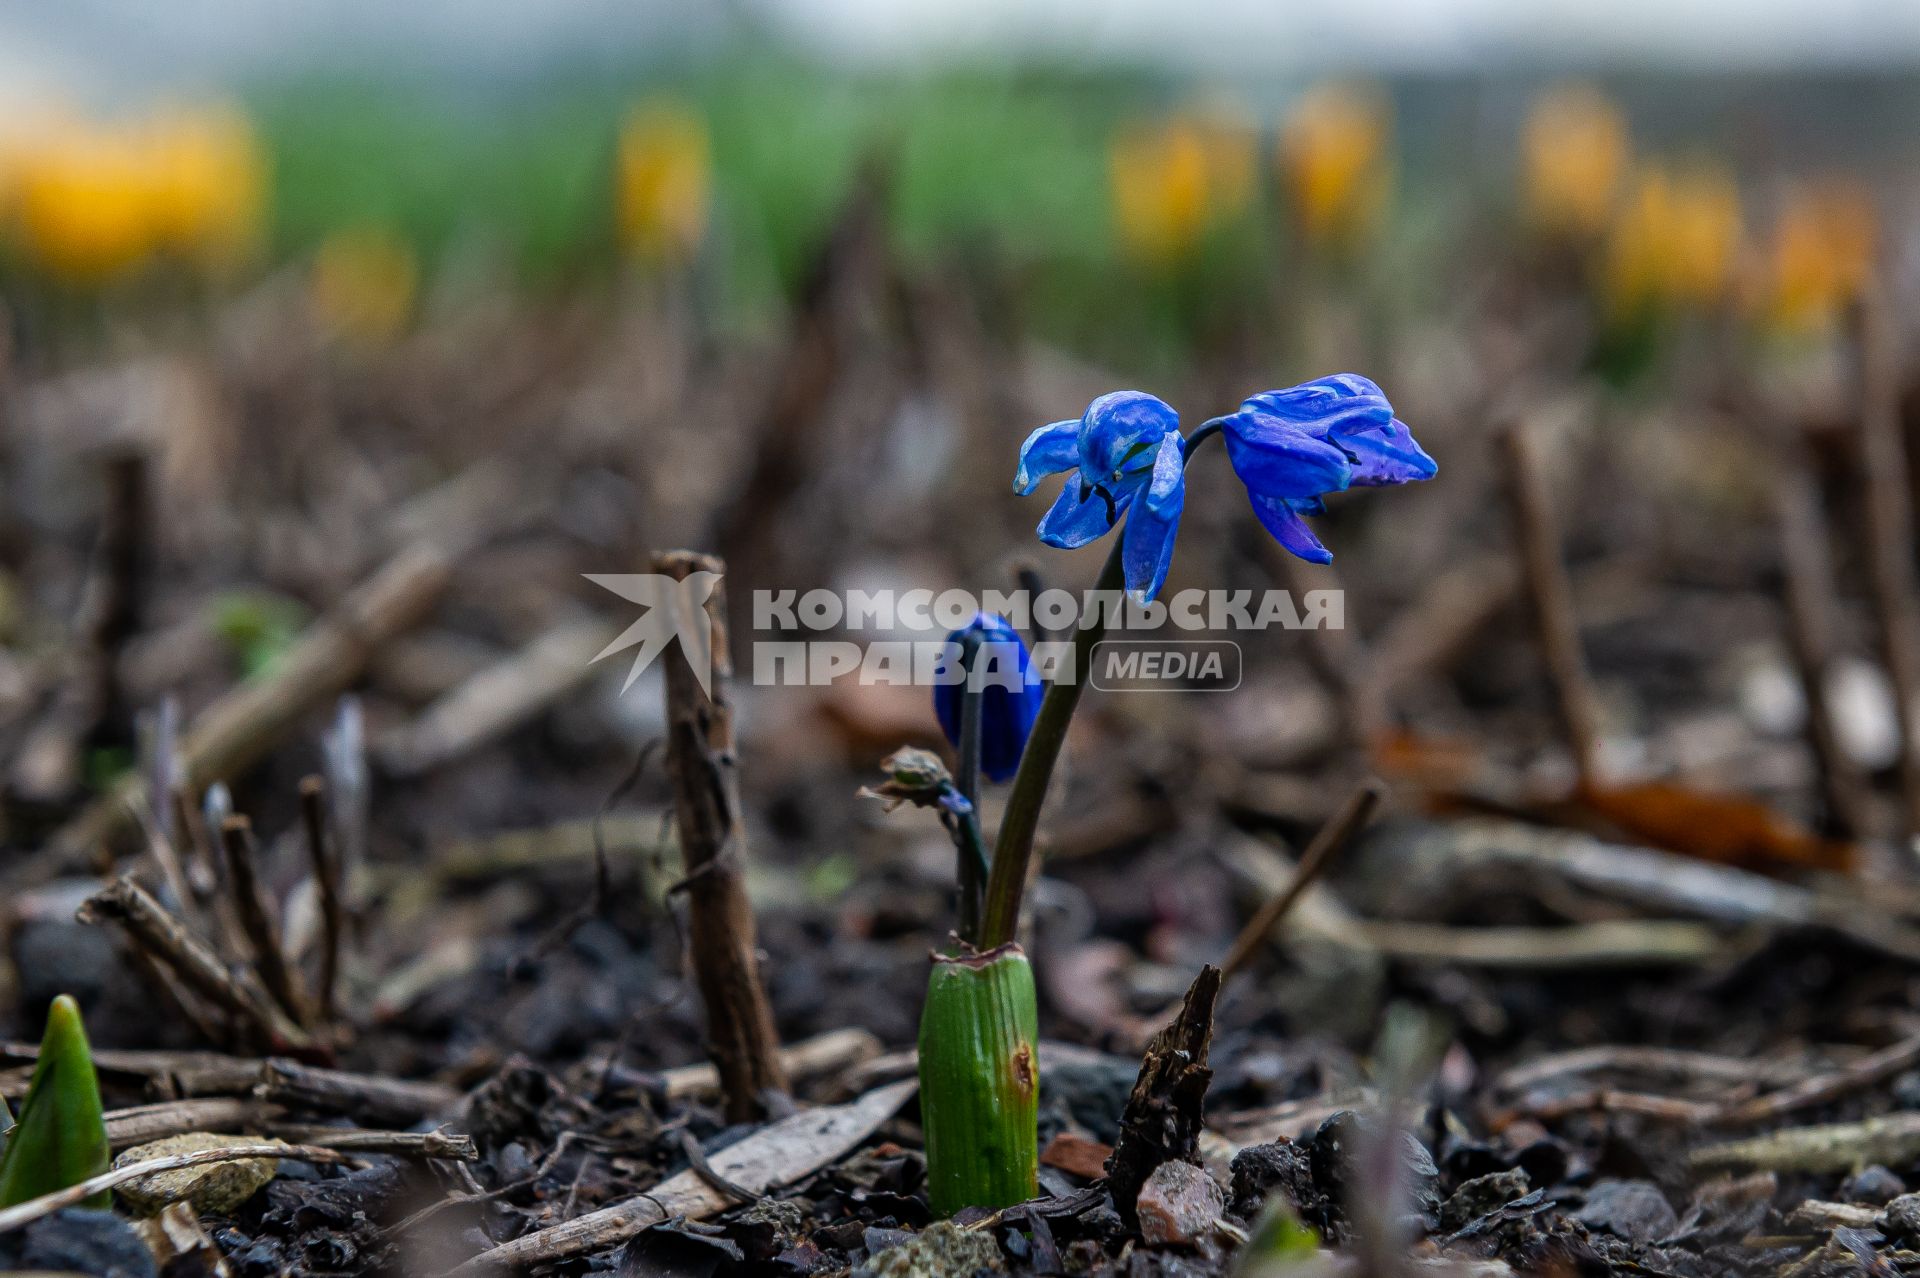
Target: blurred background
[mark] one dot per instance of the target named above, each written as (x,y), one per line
(291,297)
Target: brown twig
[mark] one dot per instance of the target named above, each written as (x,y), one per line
(143,1123)
(368,1097)
(326,878)
(1331,840)
(1889,526)
(1808,574)
(203,867)
(256,919)
(1552,599)
(157,931)
(700,763)
(1869,1070)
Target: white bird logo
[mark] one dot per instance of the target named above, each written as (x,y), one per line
(673,607)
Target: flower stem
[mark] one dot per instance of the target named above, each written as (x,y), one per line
(979,1080)
(1013,850)
(971,868)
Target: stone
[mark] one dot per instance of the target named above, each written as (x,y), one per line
(1179,1205)
(1901,1219)
(1635,1210)
(1481,1195)
(213,1189)
(1259,1170)
(1875,1185)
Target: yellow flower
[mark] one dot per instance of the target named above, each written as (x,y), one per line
(209,184)
(363,284)
(1818,257)
(1333,153)
(1674,242)
(1173,182)
(1574,151)
(83,205)
(663,183)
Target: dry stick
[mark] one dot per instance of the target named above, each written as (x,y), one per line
(203,872)
(1552,598)
(1869,1070)
(815,1057)
(1883,456)
(256,919)
(143,1123)
(1891,1140)
(1327,844)
(450,1145)
(498,699)
(365,1096)
(45,1205)
(158,932)
(773,1156)
(326,877)
(241,727)
(720,931)
(1640,1059)
(1808,574)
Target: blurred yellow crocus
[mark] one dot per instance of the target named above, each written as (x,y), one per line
(83,201)
(1174,181)
(1674,242)
(1818,257)
(1333,154)
(363,284)
(663,183)
(209,184)
(1574,151)
(90,204)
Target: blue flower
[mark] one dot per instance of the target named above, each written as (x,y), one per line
(1291,447)
(1006,712)
(1127,459)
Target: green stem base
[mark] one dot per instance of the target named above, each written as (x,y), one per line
(980,1081)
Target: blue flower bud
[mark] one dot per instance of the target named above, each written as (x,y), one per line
(1010,694)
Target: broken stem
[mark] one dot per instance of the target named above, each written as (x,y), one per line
(326,878)
(720,929)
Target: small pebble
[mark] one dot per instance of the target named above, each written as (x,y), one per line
(1635,1210)
(213,1189)
(1901,1219)
(1179,1205)
(1481,1195)
(1875,1185)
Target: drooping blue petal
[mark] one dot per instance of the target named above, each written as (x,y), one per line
(1119,432)
(1327,407)
(1388,455)
(1006,712)
(1048,451)
(1081,515)
(1276,458)
(1280,518)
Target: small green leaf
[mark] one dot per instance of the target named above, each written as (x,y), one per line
(1279,1241)
(61,1138)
